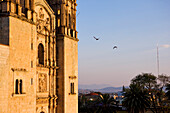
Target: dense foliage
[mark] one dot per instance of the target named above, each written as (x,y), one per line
(136,100)
(149,87)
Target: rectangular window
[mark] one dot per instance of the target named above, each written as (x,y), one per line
(31,46)
(31,81)
(31,64)
(72,88)
(18,86)
(32,38)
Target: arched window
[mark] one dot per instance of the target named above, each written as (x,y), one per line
(42,112)
(41,54)
(16,86)
(20,85)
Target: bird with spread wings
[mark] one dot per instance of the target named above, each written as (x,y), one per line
(95,38)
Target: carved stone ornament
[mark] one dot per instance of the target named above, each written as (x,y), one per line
(42,101)
(43,20)
(18,69)
(42,83)
(72,77)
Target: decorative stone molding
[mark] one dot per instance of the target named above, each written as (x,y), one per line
(42,101)
(19,95)
(18,69)
(42,79)
(43,20)
(72,77)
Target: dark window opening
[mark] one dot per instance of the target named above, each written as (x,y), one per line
(71,32)
(31,81)
(30,4)
(69,21)
(73,25)
(75,35)
(22,2)
(31,64)
(66,18)
(72,88)
(31,46)
(16,8)
(41,54)
(66,21)
(16,87)
(20,85)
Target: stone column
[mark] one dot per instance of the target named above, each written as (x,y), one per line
(75,17)
(18,2)
(62,14)
(27,4)
(33,11)
(19,8)
(46,44)
(33,5)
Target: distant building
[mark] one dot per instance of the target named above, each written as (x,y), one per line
(38,56)
(92,96)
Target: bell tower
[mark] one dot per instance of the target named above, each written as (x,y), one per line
(21,9)
(67,55)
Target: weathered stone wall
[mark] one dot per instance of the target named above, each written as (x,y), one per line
(19,34)
(21,56)
(67,74)
(67,55)
(4,75)
(71,75)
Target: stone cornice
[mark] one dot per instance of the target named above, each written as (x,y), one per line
(61,37)
(19,69)
(7,14)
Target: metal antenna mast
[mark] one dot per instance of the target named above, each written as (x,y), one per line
(158,59)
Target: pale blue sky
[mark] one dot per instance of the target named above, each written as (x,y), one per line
(135,26)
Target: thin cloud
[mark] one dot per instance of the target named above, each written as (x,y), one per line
(165,46)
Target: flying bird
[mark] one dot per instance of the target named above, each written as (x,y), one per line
(95,38)
(115,47)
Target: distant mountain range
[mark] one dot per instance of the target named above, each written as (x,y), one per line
(98,88)
(109,90)
(93,86)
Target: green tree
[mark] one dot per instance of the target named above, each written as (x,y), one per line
(136,99)
(168,91)
(149,82)
(164,79)
(146,80)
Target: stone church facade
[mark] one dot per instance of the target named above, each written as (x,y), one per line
(38,56)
